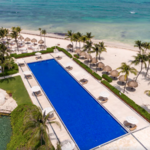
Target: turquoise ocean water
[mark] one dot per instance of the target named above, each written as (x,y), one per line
(112,20)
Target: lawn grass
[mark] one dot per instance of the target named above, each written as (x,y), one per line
(16,86)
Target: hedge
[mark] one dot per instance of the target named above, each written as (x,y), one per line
(10,71)
(76,56)
(94,74)
(49,50)
(66,52)
(127,100)
(106,77)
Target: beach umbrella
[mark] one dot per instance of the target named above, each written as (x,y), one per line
(122,78)
(132,84)
(101,65)
(132,120)
(88,56)
(94,61)
(78,51)
(21,38)
(2,99)
(67,145)
(83,54)
(33,40)
(27,72)
(114,73)
(27,39)
(42,46)
(35,88)
(41,42)
(47,110)
(70,46)
(107,69)
(104,94)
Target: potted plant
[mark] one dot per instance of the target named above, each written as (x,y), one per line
(9,93)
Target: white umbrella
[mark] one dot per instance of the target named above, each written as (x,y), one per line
(38,54)
(104,94)
(35,88)
(59,55)
(67,145)
(20,61)
(69,64)
(47,110)
(132,120)
(2,99)
(27,72)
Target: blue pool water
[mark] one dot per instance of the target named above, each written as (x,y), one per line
(89,124)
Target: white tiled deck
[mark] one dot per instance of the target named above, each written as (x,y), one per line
(114,105)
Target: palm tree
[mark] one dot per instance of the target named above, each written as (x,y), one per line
(102,48)
(148,59)
(6,33)
(89,36)
(146,45)
(75,38)
(139,45)
(40,31)
(140,59)
(126,69)
(14,35)
(44,32)
(4,52)
(87,47)
(2,33)
(69,36)
(83,39)
(18,29)
(147,92)
(96,50)
(39,129)
(13,28)
(79,37)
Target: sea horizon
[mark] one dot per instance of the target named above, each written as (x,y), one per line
(108,20)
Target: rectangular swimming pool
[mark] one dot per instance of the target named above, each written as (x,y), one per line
(89,123)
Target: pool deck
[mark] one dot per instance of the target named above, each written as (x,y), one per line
(138,139)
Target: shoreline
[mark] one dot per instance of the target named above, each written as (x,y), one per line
(62,37)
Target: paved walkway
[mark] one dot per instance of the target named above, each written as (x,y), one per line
(115,106)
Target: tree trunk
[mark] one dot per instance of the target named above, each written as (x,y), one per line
(147,69)
(99,57)
(72,46)
(139,72)
(79,45)
(45,40)
(125,85)
(16,43)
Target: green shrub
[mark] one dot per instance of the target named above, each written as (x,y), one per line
(106,77)
(19,117)
(66,52)
(76,56)
(94,74)
(10,71)
(49,50)
(130,102)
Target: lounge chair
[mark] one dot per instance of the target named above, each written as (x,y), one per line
(84,81)
(38,93)
(69,68)
(103,99)
(130,126)
(58,57)
(28,76)
(38,57)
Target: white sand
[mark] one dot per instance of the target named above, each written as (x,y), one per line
(114,57)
